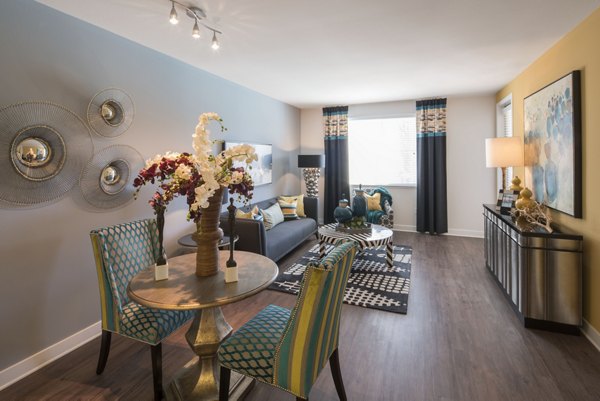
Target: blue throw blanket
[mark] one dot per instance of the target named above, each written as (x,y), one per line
(374,216)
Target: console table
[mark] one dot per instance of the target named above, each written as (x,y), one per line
(540,273)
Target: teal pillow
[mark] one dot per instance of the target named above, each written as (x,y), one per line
(272,216)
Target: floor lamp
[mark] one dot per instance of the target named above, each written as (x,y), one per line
(311,165)
(504,152)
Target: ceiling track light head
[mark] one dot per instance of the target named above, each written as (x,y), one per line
(196,31)
(215,42)
(173,16)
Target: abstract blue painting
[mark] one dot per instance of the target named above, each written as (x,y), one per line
(552,131)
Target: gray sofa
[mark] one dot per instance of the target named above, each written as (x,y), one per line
(278,241)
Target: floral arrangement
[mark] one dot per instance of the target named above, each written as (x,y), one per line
(197,176)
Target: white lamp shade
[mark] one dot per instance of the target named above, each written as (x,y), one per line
(504,152)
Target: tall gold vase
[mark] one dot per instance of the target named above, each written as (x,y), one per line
(207,236)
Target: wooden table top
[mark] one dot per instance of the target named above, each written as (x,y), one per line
(183,290)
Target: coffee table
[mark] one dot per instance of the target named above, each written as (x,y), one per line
(379,236)
(198,380)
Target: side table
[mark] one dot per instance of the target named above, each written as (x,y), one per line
(188,241)
(198,380)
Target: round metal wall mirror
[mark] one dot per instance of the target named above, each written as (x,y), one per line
(33,152)
(110,175)
(107,181)
(112,113)
(114,176)
(43,147)
(38,152)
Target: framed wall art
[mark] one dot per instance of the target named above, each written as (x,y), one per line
(552,136)
(262,169)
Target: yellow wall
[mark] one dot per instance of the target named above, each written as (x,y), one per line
(578,50)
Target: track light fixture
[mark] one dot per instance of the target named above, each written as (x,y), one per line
(198,15)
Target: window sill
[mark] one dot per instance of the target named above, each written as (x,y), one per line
(369,186)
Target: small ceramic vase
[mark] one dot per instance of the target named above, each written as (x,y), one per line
(525,201)
(342,213)
(516,185)
(359,203)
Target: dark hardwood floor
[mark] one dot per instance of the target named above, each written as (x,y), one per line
(459,341)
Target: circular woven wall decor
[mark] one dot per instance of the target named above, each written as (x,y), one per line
(107,180)
(110,112)
(45,147)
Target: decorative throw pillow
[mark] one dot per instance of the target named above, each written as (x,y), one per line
(374,201)
(288,209)
(272,216)
(299,199)
(240,214)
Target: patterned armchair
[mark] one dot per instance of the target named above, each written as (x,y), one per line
(384,217)
(287,349)
(120,252)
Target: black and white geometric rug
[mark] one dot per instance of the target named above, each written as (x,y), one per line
(371,284)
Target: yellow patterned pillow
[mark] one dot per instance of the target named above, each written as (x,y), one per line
(374,201)
(240,214)
(299,199)
(288,209)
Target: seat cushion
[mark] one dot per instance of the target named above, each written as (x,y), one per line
(286,236)
(251,349)
(150,325)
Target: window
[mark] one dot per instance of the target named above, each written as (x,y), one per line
(383,151)
(504,128)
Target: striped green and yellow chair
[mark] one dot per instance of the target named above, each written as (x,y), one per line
(122,251)
(287,349)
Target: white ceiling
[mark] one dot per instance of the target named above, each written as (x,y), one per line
(312,53)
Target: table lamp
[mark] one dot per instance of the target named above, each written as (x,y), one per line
(311,165)
(504,152)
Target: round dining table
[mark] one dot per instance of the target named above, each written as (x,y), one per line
(183,290)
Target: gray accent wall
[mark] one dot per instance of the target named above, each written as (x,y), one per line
(48,284)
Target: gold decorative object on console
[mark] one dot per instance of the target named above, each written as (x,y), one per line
(525,201)
(208,236)
(516,185)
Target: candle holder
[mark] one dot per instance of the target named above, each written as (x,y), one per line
(231,271)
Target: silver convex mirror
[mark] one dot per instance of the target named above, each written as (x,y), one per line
(33,152)
(112,113)
(110,175)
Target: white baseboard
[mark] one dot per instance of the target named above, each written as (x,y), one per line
(401,227)
(465,233)
(591,334)
(451,231)
(29,365)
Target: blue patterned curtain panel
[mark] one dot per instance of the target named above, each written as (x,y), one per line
(432,213)
(337,172)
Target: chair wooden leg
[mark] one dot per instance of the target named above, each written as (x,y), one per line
(156,353)
(104,350)
(334,364)
(225,376)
